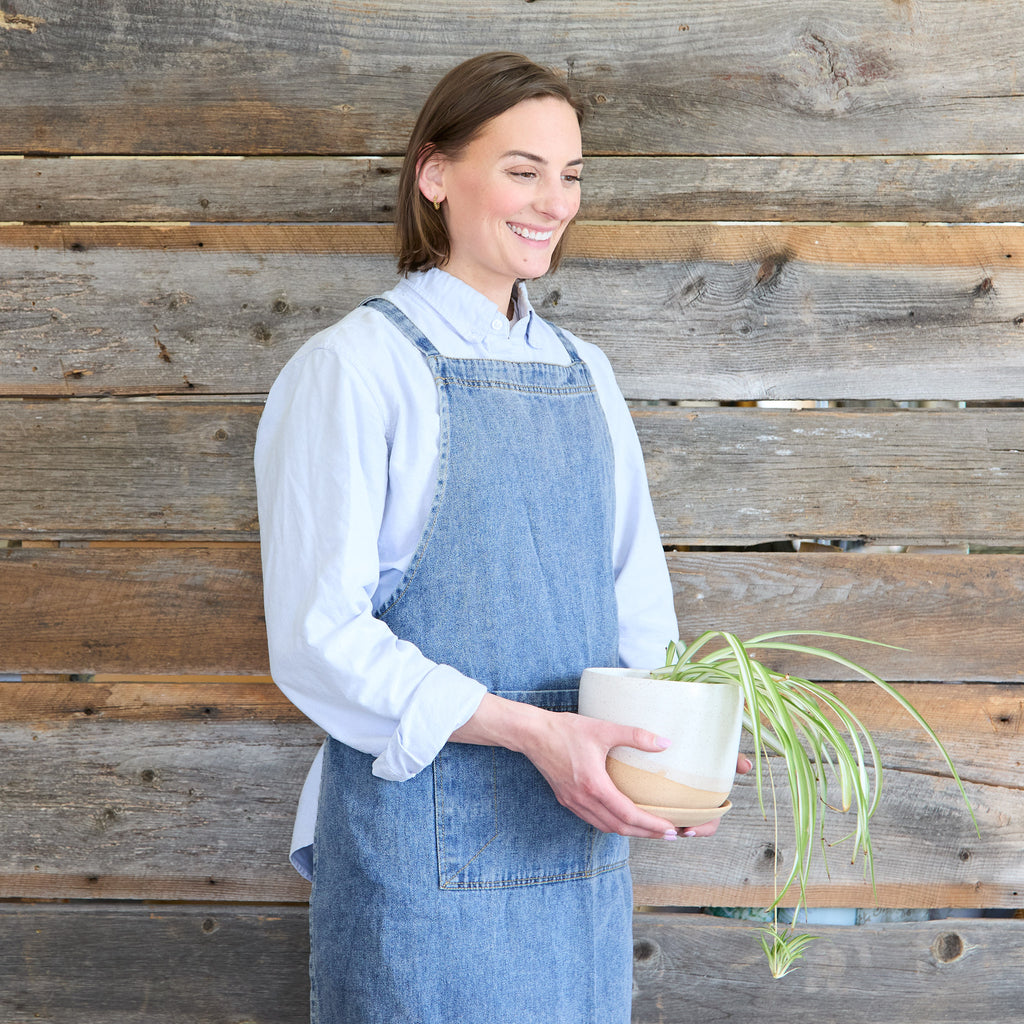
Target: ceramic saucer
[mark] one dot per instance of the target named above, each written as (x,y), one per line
(688,817)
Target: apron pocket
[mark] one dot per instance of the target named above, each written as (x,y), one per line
(499,825)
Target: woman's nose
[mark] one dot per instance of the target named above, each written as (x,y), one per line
(558,201)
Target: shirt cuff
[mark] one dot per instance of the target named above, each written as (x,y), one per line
(450,700)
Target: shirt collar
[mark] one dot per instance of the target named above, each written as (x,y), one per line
(471,315)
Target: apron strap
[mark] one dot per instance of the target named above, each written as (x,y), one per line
(403,323)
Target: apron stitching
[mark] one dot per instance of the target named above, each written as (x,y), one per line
(444,447)
(446,882)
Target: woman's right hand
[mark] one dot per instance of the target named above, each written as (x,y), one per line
(571,752)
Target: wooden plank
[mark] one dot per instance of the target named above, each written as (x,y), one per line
(727,476)
(694,968)
(206,700)
(917,863)
(198,808)
(728,312)
(952,617)
(92,771)
(112,964)
(190,609)
(249,963)
(326,78)
(210,190)
(196,609)
(181,468)
(156,468)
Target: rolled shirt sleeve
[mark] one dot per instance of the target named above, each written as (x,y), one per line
(322,457)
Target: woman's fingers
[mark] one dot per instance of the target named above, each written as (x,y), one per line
(571,752)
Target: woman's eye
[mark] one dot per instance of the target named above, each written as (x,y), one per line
(524,174)
(572,179)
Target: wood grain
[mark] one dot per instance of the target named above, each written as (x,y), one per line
(694,968)
(192,965)
(210,190)
(196,609)
(950,616)
(326,78)
(200,786)
(727,476)
(155,468)
(123,964)
(190,609)
(684,311)
(182,469)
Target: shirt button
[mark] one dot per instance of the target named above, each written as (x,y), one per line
(498,324)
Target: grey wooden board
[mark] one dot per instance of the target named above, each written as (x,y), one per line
(336,189)
(117,797)
(733,78)
(153,810)
(698,969)
(209,964)
(178,468)
(692,311)
(122,964)
(725,476)
(163,467)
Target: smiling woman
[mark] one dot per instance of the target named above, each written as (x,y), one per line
(455,522)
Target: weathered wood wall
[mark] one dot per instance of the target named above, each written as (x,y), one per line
(790,201)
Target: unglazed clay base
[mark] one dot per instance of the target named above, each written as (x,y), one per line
(656,788)
(688,817)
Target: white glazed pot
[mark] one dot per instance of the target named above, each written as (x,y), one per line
(703,721)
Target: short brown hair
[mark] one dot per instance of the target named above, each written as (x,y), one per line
(455,112)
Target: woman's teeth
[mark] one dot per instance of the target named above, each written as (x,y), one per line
(535,236)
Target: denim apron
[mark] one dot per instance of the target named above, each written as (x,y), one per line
(468,893)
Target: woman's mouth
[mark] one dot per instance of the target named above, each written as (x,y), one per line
(533,236)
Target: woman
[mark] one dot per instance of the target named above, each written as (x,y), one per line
(455,522)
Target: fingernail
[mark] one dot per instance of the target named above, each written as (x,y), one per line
(689,833)
(663,743)
(671,834)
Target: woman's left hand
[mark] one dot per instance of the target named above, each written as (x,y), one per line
(571,752)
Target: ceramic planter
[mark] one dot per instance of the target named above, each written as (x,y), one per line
(688,783)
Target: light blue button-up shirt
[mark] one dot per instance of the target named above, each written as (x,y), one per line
(346,469)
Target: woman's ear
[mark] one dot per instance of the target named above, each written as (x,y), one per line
(430,175)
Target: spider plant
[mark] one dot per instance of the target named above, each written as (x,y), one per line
(817,736)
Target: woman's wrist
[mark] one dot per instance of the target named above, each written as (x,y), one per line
(499,722)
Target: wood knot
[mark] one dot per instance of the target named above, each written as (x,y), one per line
(643,949)
(948,947)
(771,269)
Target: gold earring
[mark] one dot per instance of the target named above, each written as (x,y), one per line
(437,205)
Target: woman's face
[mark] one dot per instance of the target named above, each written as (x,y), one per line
(509,196)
